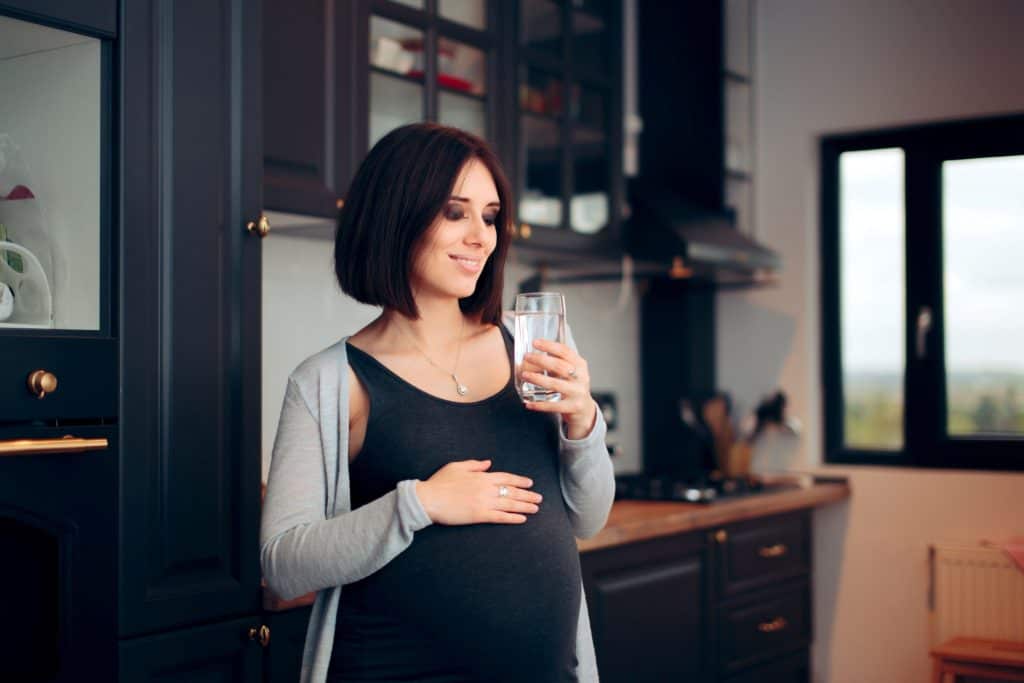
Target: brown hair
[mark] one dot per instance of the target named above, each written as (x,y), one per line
(397,193)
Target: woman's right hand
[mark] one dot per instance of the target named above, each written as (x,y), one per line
(464,492)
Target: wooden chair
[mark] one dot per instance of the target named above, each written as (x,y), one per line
(979,658)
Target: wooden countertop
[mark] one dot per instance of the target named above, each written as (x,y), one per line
(637,520)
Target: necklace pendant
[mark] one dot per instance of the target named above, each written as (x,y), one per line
(461,388)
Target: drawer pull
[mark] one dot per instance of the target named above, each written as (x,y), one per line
(776,624)
(68,444)
(777,550)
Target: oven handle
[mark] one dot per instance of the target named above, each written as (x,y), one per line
(66,444)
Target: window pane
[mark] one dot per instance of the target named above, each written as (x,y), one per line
(983,240)
(871,226)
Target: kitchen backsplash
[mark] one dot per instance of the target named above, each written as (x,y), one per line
(297,269)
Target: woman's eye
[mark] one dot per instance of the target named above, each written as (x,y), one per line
(489,220)
(454,213)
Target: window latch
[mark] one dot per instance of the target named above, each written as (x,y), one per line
(924,326)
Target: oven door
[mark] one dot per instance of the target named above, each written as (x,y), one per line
(58,498)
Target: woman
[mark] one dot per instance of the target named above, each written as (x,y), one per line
(447,508)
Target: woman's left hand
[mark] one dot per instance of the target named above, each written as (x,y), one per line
(569,376)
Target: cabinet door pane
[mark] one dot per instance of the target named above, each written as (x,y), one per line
(396,47)
(588,208)
(540,26)
(541,151)
(50,175)
(469,12)
(589,43)
(984,287)
(461,67)
(467,113)
(393,102)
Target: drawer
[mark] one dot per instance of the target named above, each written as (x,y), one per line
(764,628)
(762,552)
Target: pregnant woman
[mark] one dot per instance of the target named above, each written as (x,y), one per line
(434,512)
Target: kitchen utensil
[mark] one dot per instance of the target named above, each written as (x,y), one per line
(716,413)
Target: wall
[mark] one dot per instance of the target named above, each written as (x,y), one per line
(825,66)
(301,269)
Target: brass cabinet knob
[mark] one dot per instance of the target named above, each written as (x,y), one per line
(260,227)
(261,634)
(777,550)
(525,231)
(776,624)
(340,203)
(721,536)
(41,383)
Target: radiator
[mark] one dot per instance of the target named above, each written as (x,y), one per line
(975,591)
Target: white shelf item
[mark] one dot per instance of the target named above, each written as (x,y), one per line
(22,272)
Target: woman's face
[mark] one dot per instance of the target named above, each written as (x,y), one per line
(456,248)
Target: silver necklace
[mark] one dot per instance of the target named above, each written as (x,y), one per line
(460,388)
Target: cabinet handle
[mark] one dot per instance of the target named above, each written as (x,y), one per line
(260,227)
(41,383)
(721,536)
(777,550)
(67,444)
(525,231)
(776,624)
(261,634)
(340,203)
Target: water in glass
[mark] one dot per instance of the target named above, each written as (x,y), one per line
(538,316)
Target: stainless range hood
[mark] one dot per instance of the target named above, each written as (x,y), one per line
(690,240)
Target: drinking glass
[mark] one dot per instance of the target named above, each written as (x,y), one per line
(539,315)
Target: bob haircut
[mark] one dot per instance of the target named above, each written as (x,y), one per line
(397,194)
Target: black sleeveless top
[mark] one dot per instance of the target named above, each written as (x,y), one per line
(471,603)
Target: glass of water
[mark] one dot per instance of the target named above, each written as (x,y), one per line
(539,315)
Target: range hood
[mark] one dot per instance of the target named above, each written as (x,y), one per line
(671,231)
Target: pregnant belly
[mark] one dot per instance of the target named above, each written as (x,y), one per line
(502,599)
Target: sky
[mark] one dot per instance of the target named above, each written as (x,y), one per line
(983,245)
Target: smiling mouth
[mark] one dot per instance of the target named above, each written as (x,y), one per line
(472,263)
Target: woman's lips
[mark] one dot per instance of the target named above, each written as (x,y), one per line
(469,265)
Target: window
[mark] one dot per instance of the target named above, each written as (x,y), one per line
(923,295)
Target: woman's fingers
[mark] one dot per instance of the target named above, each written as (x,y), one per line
(498,517)
(534,362)
(509,505)
(510,480)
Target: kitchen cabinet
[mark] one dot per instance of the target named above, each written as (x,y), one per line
(567,72)
(649,609)
(731,603)
(129,396)
(339,75)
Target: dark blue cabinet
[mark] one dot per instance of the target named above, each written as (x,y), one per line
(130,388)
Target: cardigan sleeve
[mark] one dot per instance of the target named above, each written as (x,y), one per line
(587,477)
(300,549)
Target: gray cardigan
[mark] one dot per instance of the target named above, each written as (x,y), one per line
(312,540)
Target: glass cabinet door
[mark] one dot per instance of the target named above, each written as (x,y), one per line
(566,82)
(452,47)
(55,265)
(49,178)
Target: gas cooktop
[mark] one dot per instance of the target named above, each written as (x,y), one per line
(696,490)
